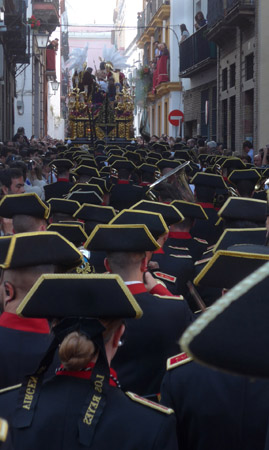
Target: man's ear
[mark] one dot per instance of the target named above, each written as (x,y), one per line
(144,264)
(5,189)
(107,266)
(117,336)
(9,292)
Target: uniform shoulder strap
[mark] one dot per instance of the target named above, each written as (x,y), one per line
(10,388)
(178,360)
(149,403)
(170,297)
(3,430)
(202,241)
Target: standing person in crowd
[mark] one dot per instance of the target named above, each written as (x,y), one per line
(248,150)
(184,32)
(200,20)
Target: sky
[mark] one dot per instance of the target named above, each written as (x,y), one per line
(83,12)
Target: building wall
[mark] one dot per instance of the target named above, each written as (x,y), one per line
(262,104)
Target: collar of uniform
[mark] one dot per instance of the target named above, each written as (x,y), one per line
(123,182)
(144,183)
(86,374)
(206,205)
(63,179)
(159,251)
(179,235)
(9,320)
(136,287)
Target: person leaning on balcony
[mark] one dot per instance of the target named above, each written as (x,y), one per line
(184,32)
(200,20)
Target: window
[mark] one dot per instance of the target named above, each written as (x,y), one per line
(214,114)
(232,75)
(224,122)
(232,123)
(224,79)
(249,66)
(204,116)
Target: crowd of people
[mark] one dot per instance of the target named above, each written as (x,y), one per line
(114,259)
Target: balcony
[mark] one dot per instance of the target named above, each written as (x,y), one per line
(17,36)
(223,15)
(50,64)
(197,53)
(155,12)
(47,11)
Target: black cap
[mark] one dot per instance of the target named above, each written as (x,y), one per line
(154,221)
(237,208)
(170,214)
(188,209)
(95,296)
(114,158)
(115,152)
(183,155)
(86,187)
(38,248)
(228,267)
(235,163)
(121,238)
(64,164)
(86,197)
(242,175)
(29,204)
(152,161)
(208,180)
(233,334)
(123,165)
(63,206)
(73,232)
(167,163)
(86,170)
(154,155)
(148,168)
(100,182)
(95,213)
(143,153)
(233,236)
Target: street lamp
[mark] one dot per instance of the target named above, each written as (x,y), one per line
(42,39)
(55,85)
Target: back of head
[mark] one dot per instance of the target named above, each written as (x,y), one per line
(124,262)
(205,194)
(245,188)
(24,224)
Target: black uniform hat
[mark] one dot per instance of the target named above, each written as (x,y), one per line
(235,163)
(123,165)
(143,153)
(86,170)
(104,171)
(154,221)
(100,182)
(154,155)
(167,163)
(208,180)
(183,155)
(63,295)
(228,267)
(152,161)
(28,204)
(86,197)
(86,187)
(170,214)
(38,248)
(73,232)
(114,158)
(134,157)
(237,208)
(188,209)
(95,213)
(242,175)
(63,206)
(233,334)
(121,238)
(64,164)
(148,168)
(115,152)
(233,236)
(202,157)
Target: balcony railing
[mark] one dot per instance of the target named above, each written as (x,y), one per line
(48,13)
(220,9)
(196,51)
(147,15)
(55,2)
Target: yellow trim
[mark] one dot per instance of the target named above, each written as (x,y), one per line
(179,248)
(201,261)
(180,256)
(208,175)
(62,225)
(170,366)
(169,297)
(3,430)
(52,163)
(191,203)
(202,241)
(28,194)
(134,211)
(221,305)
(63,200)
(242,171)
(122,160)
(83,192)
(232,254)
(161,204)
(238,199)
(232,159)
(91,205)
(146,402)
(10,388)
(87,167)
(77,185)
(109,227)
(235,230)
(110,276)
(16,237)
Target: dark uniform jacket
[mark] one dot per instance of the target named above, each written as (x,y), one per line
(124,195)
(58,189)
(140,362)
(177,240)
(207,229)
(23,343)
(124,423)
(215,410)
(175,269)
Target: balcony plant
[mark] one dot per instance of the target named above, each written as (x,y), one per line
(34,23)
